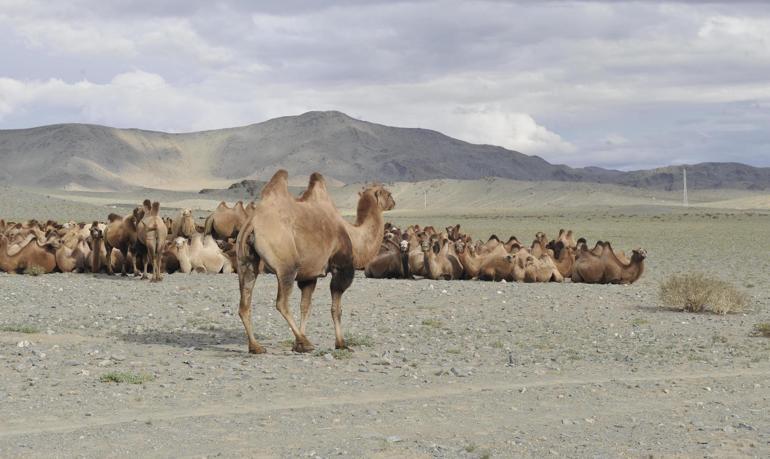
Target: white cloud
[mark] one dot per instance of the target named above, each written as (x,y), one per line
(621,84)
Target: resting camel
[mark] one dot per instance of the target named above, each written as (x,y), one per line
(546,270)
(390,264)
(225,222)
(472,262)
(497,268)
(300,240)
(564,261)
(183,226)
(606,268)
(69,260)
(201,255)
(151,236)
(31,255)
(438,263)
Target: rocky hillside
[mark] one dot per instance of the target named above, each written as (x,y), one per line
(344,149)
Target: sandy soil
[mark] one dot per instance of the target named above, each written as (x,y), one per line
(440,369)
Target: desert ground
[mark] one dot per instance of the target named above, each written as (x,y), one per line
(439,369)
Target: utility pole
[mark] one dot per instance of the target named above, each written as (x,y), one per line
(426,199)
(684,180)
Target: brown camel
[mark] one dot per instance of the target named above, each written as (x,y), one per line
(120,234)
(71,260)
(564,261)
(42,258)
(438,263)
(151,236)
(606,268)
(390,264)
(300,240)
(225,222)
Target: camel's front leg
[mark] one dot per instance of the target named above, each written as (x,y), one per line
(307,288)
(246,278)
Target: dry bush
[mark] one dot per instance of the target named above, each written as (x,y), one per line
(702,293)
(761,329)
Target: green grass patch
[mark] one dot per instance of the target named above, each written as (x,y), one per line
(359,340)
(126,378)
(639,321)
(453,351)
(435,323)
(20,328)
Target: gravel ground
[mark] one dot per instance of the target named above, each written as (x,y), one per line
(439,369)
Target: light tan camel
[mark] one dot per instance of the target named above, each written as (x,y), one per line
(201,255)
(299,240)
(438,263)
(151,236)
(184,225)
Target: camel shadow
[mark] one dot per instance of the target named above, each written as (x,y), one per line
(197,340)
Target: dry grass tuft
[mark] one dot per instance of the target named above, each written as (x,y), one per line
(761,329)
(126,378)
(34,270)
(701,293)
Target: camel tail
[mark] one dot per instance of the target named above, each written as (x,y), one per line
(242,242)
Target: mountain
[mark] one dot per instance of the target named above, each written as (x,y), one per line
(346,150)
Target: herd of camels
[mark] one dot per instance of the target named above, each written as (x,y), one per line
(300,239)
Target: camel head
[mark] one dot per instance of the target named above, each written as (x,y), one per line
(382,195)
(180,242)
(460,246)
(186,212)
(425,245)
(404,246)
(639,254)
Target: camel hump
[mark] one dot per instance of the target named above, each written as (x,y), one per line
(112,217)
(278,186)
(155,209)
(316,187)
(222,205)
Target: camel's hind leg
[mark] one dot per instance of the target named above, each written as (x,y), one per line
(247,275)
(307,288)
(285,285)
(341,280)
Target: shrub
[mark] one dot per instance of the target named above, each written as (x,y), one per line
(701,293)
(34,270)
(128,378)
(761,329)
(20,328)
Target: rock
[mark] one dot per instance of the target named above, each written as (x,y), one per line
(118,357)
(104,363)
(743,425)
(363,369)
(393,439)
(328,357)
(71,363)
(460,373)
(23,343)
(728,429)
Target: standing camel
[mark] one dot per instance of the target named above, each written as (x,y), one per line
(151,232)
(300,240)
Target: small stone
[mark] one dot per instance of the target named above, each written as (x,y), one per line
(393,439)
(566,422)
(23,343)
(743,425)
(363,370)
(729,429)
(328,357)
(71,363)
(118,357)
(89,414)
(104,363)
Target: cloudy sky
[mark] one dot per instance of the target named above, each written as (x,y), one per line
(609,83)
